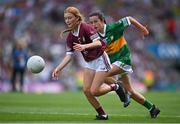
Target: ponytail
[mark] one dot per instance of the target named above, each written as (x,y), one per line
(64,31)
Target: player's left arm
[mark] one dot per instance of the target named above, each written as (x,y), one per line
(94,37)
(81,47)
(139,26)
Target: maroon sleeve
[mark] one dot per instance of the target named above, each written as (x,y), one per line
(90,32)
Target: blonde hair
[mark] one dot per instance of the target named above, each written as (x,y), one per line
(76,13)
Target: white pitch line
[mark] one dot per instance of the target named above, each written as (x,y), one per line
(57,113)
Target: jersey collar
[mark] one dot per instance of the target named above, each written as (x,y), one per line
(76,33)
(104,31)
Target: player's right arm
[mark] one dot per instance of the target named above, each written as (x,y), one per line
(61,65)
(65,61)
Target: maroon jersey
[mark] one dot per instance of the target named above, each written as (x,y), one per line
(86,34)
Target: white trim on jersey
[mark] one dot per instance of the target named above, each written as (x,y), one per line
(69,53)
(129,22)
(104,31)
(76,33)
(98,38)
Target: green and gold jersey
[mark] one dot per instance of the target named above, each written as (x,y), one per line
(117,48)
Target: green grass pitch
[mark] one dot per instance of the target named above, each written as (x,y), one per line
(72,107)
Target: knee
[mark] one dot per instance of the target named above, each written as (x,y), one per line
(94,92)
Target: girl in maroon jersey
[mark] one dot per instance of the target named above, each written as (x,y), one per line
(97,62)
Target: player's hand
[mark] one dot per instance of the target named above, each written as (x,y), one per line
(144,32)
(55,74)
(79,47)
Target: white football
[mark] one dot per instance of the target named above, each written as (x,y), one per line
(35,64)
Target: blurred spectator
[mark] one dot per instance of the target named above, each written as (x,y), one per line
(149,78)
(19,59)
(171,26)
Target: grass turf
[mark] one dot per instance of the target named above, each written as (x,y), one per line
(72,107)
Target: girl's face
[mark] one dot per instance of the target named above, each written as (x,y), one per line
(96,23)
(70,19)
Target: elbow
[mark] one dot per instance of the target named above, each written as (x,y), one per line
(130,18)
(68,57)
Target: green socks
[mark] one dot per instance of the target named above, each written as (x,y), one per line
(148,105)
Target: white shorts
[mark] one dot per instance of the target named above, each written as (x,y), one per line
(126,68)
(100,64)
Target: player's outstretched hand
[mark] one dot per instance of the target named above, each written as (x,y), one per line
(55,74)
(144,32)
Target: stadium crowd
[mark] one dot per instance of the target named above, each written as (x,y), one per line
(39,22)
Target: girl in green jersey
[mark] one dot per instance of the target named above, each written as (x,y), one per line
(119,53)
